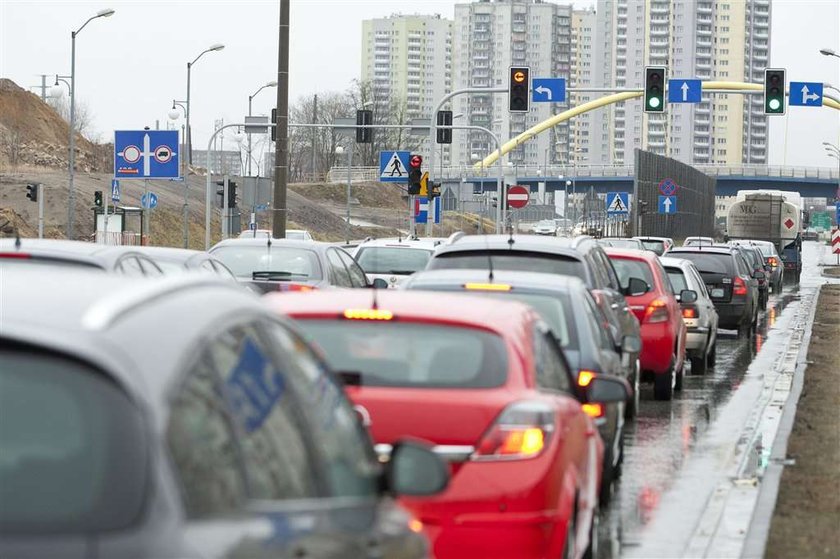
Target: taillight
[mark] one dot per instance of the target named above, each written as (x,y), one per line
(740,288)
(689,312)
(656,311)
(593,410)
(773,261)
(521,431)
(295,287)
(585,377)
(18,255)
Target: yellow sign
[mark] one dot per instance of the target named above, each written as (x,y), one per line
(519,77)
(424,180)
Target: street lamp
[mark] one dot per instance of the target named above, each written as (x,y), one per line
(211,48)
(71,203)
(829,52)
(250,99)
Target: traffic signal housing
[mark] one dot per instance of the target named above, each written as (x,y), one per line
(32,192)
(519,87)
(444,135)
(415,174)
(654,89)
(364,117)
(434,190)
(774,91)
(97,198)
(220,192)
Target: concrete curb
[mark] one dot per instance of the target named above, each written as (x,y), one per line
(756,540)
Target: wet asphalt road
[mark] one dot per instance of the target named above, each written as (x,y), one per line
(661,439)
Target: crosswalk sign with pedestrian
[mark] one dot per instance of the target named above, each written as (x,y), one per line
(618,203)
(393,166)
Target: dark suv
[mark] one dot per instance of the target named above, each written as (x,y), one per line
(581,257)
(730,281)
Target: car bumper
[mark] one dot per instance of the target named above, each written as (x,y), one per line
(732,315)
(695,340)
(657,347)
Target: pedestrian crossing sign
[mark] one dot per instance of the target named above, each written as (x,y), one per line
(393,166)
(618,203)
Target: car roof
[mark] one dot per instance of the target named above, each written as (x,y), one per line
(403,242)
(138,331)
(103,256)
(317,246)
(458,309)
(710,249)
(172,253)
(672,262)
(633,253)
(647,238)
(530,243)
(524,280)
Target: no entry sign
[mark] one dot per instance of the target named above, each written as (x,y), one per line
(518,196)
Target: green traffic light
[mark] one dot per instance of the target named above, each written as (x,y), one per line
(775,104)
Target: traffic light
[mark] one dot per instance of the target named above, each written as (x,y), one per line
(32,192)
(220,192)
(774,91)
(415,174)
(434,190)
(97,198)
(444,135)
(274,128)
(518,89)
(654,89)
(231,194)
(364,117)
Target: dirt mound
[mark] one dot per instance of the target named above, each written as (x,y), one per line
(32,132)
(367,194)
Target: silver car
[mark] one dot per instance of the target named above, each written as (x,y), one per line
(698,310)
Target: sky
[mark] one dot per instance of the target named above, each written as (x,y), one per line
(131,66)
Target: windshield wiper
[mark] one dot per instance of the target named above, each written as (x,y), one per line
(400,272)
(276,275)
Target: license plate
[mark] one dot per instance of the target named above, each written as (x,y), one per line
(717,292)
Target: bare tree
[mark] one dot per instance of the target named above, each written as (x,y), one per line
(84,115)
(11,143)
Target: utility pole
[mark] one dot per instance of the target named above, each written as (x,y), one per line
(281,154)
(314,132)
(42,87)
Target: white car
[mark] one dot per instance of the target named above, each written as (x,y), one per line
(698,241)
(545,227)
(293,234)
(393,260)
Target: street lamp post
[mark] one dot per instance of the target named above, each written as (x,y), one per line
(250,99)
(173,115)
(829,52)
(71,203)
(212,48)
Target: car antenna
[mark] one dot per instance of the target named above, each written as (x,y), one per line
(17,238)
(374,305)
(489,260)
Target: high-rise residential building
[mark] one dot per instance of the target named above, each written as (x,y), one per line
(406,60)
(704,39)
(581,76)
(490,36)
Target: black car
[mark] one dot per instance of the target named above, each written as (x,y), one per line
(730,282)
(137,420)
(287,265)
(756,263)
(579,327)
(116,259)
(581,257)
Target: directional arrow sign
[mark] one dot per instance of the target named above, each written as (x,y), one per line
(548,90)
(684,91)
(806,94)
(667,204)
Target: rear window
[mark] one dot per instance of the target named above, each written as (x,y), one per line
(73,456)
(392,260)
(677,278)
(627,268)
(654,246)
(518,261)
(294,263)
(709,263)
(403,354)
(622,243)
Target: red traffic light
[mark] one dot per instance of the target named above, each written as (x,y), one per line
(416,161)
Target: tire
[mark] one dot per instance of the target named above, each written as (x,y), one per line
(605,491)
(698,365)
(663,385)
(678,378)
(711,356)
(631,410)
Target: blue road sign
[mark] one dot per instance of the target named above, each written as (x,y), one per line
(667,187)
(805,94)
(149,200)
(115,190)
(146,154)
(684,91)
(548,90)
(837,212)
(393,166)
(667,204)
(422,206)
(618,203)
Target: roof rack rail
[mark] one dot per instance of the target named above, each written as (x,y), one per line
(454,237)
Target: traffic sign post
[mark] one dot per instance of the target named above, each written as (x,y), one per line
(548,90)
(684,91)
(115,190)
(149,200)
(667,204)
(146,154)
(422,207)
(805,94)
(518,196)
(618,203)
(393,166)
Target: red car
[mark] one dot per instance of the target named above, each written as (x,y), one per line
(660,317)
(489,387)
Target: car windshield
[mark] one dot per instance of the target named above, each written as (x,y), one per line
(766,249)
(627,268)
(677,279)
(620,243)
(292,262)
(546,223)
(392,260)
(407,354)
(654,246)
(73,446)
(518,261)
(709,263)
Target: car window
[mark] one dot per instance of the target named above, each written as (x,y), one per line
(709,262)
(677,279)
(518,261)
(130,266)
(663,276)
(552,371)
(150,269)
(609,270)
(357,275)
(392,260)
(207,266)
(267,415)
(386,353)
(700,285)
(244,260)
(743,267)
(351,469)
(222,270)
(338,271)
(655,246)
(74,448)
(597,324)
(627,268)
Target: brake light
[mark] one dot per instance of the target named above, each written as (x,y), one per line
(585,377)
(294,287)
(740,288)
(593,410)
(18,255)
(487,287)
(656,311)
(368,314)
(521,431)
(689,312)
(415,525)
(773,261)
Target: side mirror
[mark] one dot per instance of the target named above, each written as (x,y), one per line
(688,296)
(758,274)
(379,283)
(605,390)
(414,470)
(631,344)
(636,286)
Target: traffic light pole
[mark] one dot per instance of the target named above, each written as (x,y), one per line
(40,188)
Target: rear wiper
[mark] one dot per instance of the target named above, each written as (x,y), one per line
(711,272)
(275,275)
(400,272)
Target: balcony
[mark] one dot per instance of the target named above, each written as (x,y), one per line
(658,32)
(656,144)
(700,142)
(760,34)
(704,30)
(659,9)
(704,9)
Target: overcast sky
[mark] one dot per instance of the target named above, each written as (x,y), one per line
(131,66)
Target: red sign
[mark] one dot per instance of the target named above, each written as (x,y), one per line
(789,223)
(667,187)
(835,241)
(518,196)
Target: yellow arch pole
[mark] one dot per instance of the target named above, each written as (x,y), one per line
(609,100)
